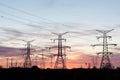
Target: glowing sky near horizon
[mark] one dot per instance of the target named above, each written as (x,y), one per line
(83,16)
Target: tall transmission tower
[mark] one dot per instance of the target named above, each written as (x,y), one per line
(60,56)
(27,62)
(105,61)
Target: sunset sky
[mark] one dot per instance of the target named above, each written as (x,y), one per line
(37,19)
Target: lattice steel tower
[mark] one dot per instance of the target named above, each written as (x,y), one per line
(60,61)
(105,61)
(27,62)
(43,59)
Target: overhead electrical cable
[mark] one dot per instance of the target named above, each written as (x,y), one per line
(30,14)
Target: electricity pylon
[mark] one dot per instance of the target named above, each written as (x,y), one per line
(105,61)
(60,56)
(35,60)
(51,56)
(7,62)
(43,59)
(27,62)
(11,63)
(94,61)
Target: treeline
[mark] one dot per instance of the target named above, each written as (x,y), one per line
(35,73)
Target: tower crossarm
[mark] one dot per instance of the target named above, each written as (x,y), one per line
(55,33)
(54,39)
(62,47)
(44,55)
(52,55)
(103,53)
(63,39)
(28,41)
(60,33)
(109,37)
(104,31)
(109,53)
(64,33)
(58,54)
(112,44)
(102,45)
(66,47)
(97,45)
(58,39)
(98,37)
(98,53)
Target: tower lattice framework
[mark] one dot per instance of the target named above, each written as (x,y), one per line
(105,61)
(27,62)
(60,61)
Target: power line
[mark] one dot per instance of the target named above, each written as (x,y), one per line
(19,10)
(23,23)
(19,17)
(25,12)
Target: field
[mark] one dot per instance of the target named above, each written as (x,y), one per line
(35,73)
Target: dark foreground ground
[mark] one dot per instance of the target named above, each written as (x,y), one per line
(58,74)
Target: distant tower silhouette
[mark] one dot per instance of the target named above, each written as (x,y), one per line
(27,62)
(94,61)
(105,61)
(51,56)
(43,59)
(60,56)
(11,64)
(7,59)
(35,61)
(16,63)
